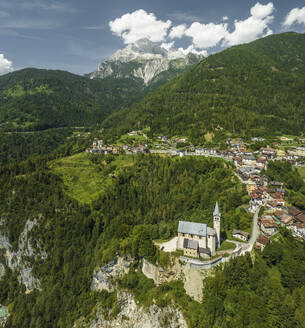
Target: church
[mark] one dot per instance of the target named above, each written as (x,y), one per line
(197,239)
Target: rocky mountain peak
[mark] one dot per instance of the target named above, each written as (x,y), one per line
(144,60)
(145,46)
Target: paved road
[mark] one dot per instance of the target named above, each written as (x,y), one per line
(254,234)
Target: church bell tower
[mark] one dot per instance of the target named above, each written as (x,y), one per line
(216,223)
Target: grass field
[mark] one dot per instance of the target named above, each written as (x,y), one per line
(226,245)
(83,180)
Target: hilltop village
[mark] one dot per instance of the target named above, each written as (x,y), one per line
(266,197)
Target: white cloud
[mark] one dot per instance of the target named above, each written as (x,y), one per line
(168,45)
(139,24)
(260,11)
(193,50)
(257,25)
(295,15)
(5,65)
(206,35)
(177,32)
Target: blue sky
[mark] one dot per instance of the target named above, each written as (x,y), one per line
(76,35)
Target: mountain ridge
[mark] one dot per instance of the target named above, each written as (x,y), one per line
(38,99)
(145,60)
(255,88)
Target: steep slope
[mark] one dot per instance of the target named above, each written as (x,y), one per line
(256,88)
(37,99)
(148,62)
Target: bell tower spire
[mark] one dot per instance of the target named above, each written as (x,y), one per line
(216,223)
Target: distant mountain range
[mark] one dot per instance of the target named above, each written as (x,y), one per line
(251,89)
(37,99)
(147,62)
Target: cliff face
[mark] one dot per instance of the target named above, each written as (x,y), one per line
(191,277)
(127,313)
(105,277)
(132,316)
(146,60)
(19,260)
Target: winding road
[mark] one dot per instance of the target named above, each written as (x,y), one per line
(254,234)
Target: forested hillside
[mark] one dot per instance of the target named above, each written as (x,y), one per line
(77,237)
(268,292)
(36,99)
(252,89)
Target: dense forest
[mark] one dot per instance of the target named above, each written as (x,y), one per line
(251,89)
(144,202)
(37,99)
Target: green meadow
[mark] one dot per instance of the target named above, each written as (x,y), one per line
(83,179)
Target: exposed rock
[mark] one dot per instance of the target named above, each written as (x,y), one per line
(2,270)
(191,277)
(193,282)
(132,316)
(18,260)
(3,315)
(105,277)
(144,60)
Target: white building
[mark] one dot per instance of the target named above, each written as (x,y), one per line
(242,235)
(196,239)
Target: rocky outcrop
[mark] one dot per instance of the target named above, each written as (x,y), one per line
(18,260)
(132,316)
(192,278)
(2,270)
(106,276)
(145,60)
(3,315)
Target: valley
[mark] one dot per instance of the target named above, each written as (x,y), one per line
(164,189)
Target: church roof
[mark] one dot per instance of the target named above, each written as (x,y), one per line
(216,211)
(192,228)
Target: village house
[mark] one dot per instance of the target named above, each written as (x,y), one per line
(255,139)
(256,200)
(268,225)
(261,242)
(286,220)
(261,163)
(276,184)
(278,214)
(240,234)
(301,151)
(300,218)
(199,151)
(269,153)
(298,230)
(249,160)
(273,206)
(293,211)
(251,187)
(198,240)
